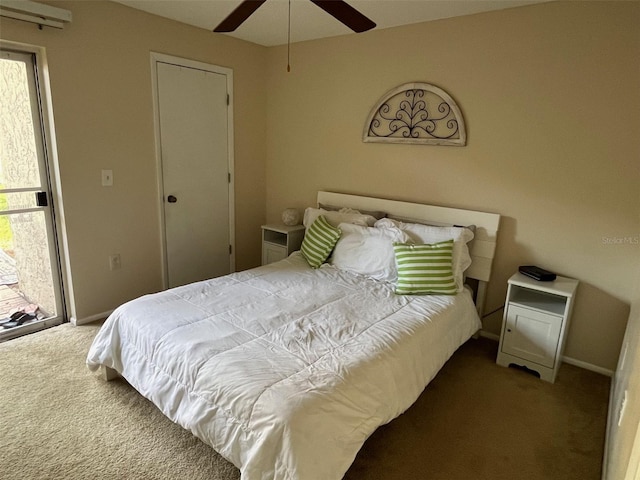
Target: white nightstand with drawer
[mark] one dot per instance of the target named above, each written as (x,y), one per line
(536,320)
(280,241)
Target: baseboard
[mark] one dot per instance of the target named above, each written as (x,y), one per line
(90,319)
(588,366)
(571,361)
(489,335)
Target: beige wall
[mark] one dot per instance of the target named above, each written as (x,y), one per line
(551,98)
(101,83)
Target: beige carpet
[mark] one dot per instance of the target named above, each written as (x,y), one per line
(476,420)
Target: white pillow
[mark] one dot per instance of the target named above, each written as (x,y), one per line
(419,233)
(336,218)
(367,251)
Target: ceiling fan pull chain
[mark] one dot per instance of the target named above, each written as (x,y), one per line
(289,40)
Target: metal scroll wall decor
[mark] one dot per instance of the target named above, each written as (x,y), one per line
(417,113)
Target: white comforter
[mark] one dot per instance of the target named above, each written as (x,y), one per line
(282,369)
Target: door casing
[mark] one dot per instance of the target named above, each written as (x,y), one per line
(163,58)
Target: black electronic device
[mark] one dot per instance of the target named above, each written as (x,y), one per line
(537,273)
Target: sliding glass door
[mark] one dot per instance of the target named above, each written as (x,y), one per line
(30,284)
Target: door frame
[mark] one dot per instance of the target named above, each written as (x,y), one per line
(58,232)
(184,62)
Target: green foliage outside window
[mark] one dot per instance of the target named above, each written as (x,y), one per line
(6,235)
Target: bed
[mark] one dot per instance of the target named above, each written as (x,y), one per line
(285,369)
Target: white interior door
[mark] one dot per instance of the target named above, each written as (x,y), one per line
(193,124)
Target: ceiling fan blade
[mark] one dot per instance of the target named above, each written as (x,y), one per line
(345,13)
(239,15)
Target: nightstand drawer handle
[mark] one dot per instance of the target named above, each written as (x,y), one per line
(508,329)
(171,199)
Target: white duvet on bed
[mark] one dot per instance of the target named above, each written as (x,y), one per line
(282,369)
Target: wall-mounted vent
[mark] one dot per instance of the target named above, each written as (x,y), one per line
(34,12)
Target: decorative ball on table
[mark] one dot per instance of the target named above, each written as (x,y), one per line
(291,216)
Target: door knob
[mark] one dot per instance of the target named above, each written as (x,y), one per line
(171,199)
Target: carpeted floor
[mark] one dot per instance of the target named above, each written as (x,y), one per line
(475,420)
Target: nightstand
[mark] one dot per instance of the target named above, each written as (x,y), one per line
(280,241)
(536,320)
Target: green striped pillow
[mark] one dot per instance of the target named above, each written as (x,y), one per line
(319,240)
(425,268)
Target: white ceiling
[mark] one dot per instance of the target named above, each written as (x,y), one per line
(268,25)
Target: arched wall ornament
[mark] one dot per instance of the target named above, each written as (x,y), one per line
(416,113)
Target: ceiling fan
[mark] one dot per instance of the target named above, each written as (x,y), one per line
(339,9)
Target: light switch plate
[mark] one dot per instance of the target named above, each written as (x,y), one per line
(107,178)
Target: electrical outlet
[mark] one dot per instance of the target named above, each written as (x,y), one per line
(114,262)
(623,406)
(107,178)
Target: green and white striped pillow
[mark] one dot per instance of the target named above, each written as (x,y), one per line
(425,268)
(319,240)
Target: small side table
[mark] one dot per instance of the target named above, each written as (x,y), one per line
(280,241)
(536,320)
